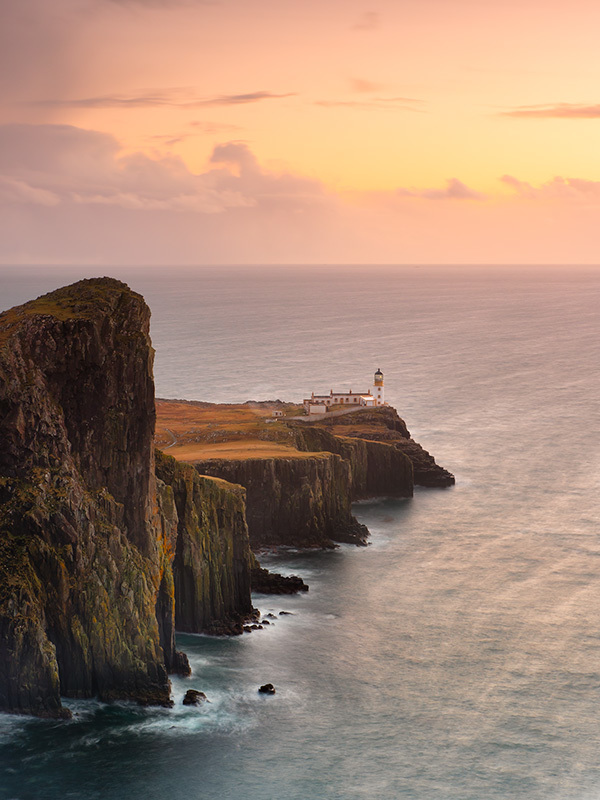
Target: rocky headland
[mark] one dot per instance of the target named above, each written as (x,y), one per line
(100,558)
(301,476)
(107,546)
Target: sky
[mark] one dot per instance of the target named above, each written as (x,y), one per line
(299,131)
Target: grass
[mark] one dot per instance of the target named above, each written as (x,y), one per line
(199,431)
(191,431)
(234,451)
(79,301)
(203,423)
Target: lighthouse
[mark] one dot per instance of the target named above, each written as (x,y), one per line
(378,388)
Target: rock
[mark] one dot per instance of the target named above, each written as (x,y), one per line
(265,622)
(270,616)
(194,698)
(84,564)
(300,501)
(98,556)
(355,533)
(212,563)
(384,426)
(267,688)
(286,613)
(265,582)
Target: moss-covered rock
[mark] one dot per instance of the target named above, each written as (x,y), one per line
(213,559)
(98,557)
(84,550)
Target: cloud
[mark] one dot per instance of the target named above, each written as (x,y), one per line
(556,111)
(16,191)
(69,194)
(162,3)
(388,103)
(214,127)
(237,99)
(368,21)
(454,190)
(178,98)
(570,189)
(362,86)
(60,164)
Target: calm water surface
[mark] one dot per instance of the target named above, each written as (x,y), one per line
(457,657)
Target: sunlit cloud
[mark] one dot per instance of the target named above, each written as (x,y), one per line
(18,191)
(556,111)
(177,98)
(61,164)
(558,188)
(454,190)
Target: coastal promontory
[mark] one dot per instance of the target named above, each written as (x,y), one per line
(108,545)
(93,545)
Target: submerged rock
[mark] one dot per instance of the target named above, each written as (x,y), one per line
(267,688)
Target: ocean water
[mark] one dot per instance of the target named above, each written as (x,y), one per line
(455,658)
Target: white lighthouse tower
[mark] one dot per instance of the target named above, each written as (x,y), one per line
(378,392)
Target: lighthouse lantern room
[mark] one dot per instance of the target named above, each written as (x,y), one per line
(378,391)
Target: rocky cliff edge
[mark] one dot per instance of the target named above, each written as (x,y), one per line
(89,538)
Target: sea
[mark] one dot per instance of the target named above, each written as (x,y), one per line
(455,658)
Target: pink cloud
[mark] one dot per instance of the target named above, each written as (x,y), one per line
(454,190)
(555,111)
(558,188)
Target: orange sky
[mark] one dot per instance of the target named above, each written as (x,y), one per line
(284,131)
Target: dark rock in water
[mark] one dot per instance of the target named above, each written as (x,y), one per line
(286,613)
(266,582)
(355,533)
(267,688)
(270,616)
(256,627)
(247,629)
(265,622)
(194,698)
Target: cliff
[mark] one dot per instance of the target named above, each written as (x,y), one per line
(213,560)
(92,546)
(296,501)
(376,469)
(301,476)
(384,425)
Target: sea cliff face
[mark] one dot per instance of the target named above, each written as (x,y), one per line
(305,501)
(88,537)
(384,425)
(301,502)
(213,560)
(376,469)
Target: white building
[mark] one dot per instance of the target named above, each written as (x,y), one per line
(319,403)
